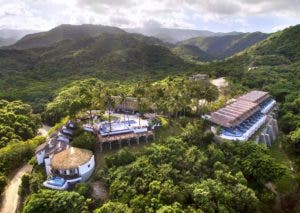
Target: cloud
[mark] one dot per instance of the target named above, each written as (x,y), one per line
(217,15)
(152,24)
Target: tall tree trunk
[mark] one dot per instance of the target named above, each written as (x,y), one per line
(123,106)
(109,120)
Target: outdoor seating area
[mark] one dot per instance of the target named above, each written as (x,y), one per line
(114,128)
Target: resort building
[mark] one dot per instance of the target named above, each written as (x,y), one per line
(124,129)
(64,164)
(199,77)
(52,146)
(250,116)
(57,142)
(70,166)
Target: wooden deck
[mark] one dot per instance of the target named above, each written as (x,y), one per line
(125,136)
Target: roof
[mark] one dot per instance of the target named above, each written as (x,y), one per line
(71,158)
(255,96)
(234,113)
(41,147)
(52,146)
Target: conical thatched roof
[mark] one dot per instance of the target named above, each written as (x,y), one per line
(71,158)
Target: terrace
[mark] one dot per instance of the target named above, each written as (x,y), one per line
(267,105)
(244,130)
(244,117)
(234,113)
(56,183)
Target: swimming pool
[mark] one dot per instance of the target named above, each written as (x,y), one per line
(116,128)
(56,181)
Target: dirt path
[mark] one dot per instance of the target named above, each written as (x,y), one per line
(220,83)
(10,195)
(272,188)
(44,130)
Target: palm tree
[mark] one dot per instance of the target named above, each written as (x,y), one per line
(108,102)
(140,92)
(122,101)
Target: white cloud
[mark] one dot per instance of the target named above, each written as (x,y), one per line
(46,14)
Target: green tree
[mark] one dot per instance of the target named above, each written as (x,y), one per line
(85,140)
(55,202)
(115,207)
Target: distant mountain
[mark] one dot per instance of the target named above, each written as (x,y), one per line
(61,55)
(175,35)
(10,36)
(191,53)
(6,41)
(220,47)
(46,39)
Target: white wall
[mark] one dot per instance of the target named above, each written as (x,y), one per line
(40,157)
(87,169)
(47,166)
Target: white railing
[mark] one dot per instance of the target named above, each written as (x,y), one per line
(268,107)
(249,132)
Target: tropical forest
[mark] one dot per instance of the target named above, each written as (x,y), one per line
(104,116)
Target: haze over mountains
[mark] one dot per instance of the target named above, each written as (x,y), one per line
(69,52)
(175,35)
(191,45)
(10,36)
(220,47)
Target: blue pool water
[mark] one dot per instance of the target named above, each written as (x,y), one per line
(130,122)
(57,181)
(116,128)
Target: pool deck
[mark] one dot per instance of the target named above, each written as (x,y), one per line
(125,136)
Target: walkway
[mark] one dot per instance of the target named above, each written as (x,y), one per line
(10,195)
(44,130)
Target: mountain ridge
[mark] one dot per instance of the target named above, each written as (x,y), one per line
(220,47)
(174,35)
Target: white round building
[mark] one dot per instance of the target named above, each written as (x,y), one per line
(70,166)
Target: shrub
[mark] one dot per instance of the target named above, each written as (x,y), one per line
(48,201)
(82,189)
(85,140)
(115,207)
(121,158)
(3,182)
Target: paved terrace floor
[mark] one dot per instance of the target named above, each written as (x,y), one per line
(125,136)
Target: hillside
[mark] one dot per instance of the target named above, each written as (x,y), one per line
(284,43)
(172,35)
(191,53)
(28,74)
(46,39)
(220,47)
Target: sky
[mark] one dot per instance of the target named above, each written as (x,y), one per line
(213,15)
